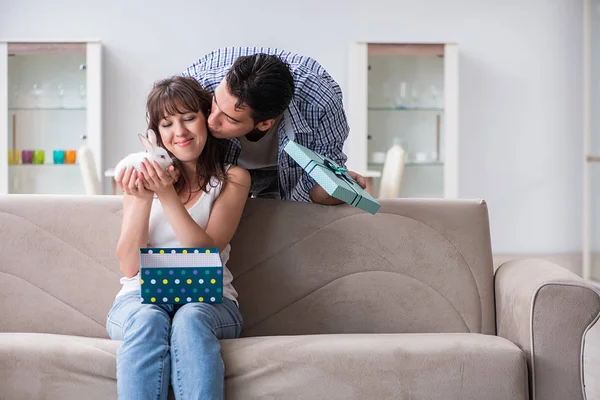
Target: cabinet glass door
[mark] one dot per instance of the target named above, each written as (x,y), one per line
(47,104)
(406,108)
(403,115)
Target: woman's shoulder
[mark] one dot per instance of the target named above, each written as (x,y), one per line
(235,174)
(238,175)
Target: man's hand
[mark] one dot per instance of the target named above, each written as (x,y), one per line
(358,178)
(318,195)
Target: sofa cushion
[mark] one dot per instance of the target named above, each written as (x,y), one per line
(50,366)
(386,366)
(356,366)
(417,266)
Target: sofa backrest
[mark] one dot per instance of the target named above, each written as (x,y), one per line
(416,266)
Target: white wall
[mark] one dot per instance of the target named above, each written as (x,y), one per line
(520,90)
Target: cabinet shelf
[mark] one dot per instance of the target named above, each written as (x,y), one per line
(45,165)
(47,109)
(390,108)
(412,164)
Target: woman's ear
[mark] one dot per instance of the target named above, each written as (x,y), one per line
(265,125)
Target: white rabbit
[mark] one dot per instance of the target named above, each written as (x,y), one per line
(153,153)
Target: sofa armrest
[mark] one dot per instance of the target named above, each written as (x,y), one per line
(550,313)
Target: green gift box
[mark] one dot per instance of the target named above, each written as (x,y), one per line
(181,275)
(332,178)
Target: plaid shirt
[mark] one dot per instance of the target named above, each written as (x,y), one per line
(314,119)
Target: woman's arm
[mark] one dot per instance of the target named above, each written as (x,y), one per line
(224,217)
(227,209)
(137,203)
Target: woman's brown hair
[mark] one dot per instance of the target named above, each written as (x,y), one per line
(180,95)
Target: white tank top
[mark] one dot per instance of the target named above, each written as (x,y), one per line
(161,234)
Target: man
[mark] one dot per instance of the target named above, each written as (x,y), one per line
(262,99)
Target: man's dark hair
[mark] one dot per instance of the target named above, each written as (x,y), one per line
(263,82)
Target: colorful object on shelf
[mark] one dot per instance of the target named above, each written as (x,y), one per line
(70,156)
(181,275)
(13,156)
(27,156)
(332,178)
(38,156)
(59,156)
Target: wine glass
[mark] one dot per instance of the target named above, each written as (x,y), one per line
(414,95)
(61,94)
(401,95)
(37,93)
(82,94)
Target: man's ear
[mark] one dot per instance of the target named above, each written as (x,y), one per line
(265,125)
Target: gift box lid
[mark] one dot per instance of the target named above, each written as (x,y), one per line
(159,257)
(332,178)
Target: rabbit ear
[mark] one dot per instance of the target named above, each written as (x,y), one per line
(146,143)
(151,136)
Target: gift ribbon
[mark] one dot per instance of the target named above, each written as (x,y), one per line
(338,171)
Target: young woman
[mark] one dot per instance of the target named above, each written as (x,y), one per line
(197,202)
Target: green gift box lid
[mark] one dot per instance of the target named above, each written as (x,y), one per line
(332,178)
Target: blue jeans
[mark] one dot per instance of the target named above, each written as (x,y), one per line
(177,344)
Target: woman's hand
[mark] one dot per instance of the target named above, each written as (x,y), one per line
(156,179)
(132,183)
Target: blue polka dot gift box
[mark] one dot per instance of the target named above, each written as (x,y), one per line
(334,179)
(181,275)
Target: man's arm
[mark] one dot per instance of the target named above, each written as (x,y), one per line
(318,195)
(331,133)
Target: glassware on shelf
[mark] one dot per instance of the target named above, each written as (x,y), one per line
(14,96)
(437,97)
(61,95)
(82,94)
(377,157)
(27,156)
(37,93)
(59,156)
(70,156)
(38,156)
(414,95)
(13,157)
(401,95)
(421,156)
(434,93)
(387,93)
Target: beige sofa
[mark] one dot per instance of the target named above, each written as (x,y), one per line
(338,304)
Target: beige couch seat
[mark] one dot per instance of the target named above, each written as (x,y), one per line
(432,366)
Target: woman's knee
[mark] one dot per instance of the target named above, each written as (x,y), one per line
(147,320)
(197,316)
